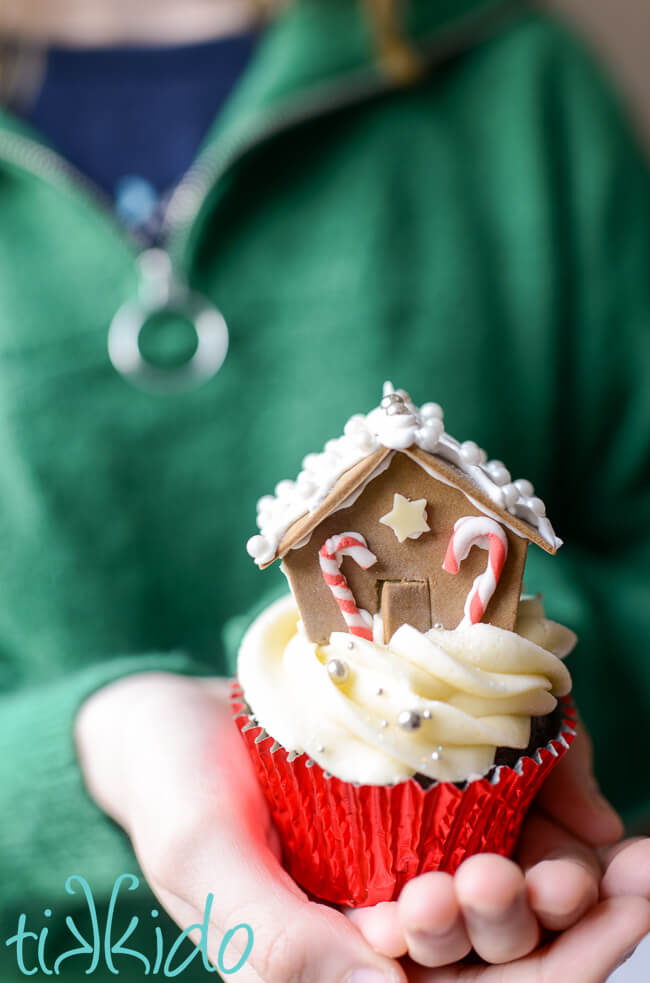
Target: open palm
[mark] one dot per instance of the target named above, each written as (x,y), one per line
(161,756)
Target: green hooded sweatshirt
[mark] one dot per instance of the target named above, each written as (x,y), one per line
(481,238)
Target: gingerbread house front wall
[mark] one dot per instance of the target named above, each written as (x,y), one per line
(407,582)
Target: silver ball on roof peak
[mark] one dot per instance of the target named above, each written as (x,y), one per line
(397,409)
(409,720)
(389,399)
(338,670)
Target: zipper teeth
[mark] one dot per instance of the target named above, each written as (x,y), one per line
(50,166)
(188,198)
(47,164)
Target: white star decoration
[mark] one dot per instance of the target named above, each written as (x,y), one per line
(407,519)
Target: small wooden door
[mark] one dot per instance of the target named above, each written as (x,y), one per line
(405,602)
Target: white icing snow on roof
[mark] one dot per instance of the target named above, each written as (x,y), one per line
(396,424)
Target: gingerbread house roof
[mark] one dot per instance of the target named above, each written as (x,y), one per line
(335,478)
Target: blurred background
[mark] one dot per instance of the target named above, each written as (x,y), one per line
(620,32)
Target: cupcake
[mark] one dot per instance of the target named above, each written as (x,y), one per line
(403,705)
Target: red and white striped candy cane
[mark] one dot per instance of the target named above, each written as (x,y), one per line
(330,557)
(477,530)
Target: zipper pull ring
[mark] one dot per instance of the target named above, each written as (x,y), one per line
(161,291)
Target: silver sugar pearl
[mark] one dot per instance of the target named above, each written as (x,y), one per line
(383,723)
(438,625)
(350,645)
(435,755)
(320,748)
(426,714)
(380,691)
(389,399)
(409,720)
(338,670)
(396,409)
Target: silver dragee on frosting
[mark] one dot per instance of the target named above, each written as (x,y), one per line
(395,424)
(437,703)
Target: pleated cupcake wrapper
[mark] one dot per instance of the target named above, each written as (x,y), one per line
(357,845)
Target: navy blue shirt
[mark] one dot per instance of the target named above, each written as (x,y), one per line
(132,118)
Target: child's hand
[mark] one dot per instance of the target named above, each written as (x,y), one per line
(156,748)
(499,908)
(161,756)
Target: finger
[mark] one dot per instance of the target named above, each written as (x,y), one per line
(627,869)
(571,796)
(380,927)
(589,951)
(431,920)
(562,873)
(491,891)
(596,946)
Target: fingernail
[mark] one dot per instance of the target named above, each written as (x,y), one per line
(367,975)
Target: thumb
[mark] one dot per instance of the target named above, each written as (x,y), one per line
(289,937)
(571,796)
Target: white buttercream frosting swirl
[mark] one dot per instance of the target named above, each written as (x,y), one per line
(468,691)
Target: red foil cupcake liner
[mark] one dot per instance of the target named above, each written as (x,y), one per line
(357,845)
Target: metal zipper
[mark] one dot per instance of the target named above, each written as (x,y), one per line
(163,284)
(38,159)
(186,203)
(194,188)
(188,198)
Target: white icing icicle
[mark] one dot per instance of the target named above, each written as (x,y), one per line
(396,424)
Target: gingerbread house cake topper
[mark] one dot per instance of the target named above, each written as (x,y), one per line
(384,521)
